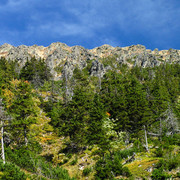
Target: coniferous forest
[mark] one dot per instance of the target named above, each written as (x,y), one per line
(122,125)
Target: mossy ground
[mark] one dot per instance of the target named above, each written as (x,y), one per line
(142,168)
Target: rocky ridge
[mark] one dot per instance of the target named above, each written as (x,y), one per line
(62,58)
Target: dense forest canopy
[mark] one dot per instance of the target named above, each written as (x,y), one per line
(101,115)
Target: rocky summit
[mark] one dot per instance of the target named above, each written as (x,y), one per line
(60,57)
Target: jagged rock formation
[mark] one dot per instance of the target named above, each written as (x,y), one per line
(62,58)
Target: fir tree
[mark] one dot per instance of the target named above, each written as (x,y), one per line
(19,102)
(36,72)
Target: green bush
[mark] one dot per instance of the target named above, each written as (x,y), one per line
(87,171)
(164,164)
(11,172)
(73,162)
(111,166)
(107,170)
(178,174)
(161,164)
(168,164)
(47,170)
(159,174)
(138,146)
(125,153)
(126,172)
(172,140)
(173,163)
(25,159)
(159,152)
(22,157)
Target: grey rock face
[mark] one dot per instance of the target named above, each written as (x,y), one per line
(97,69)
(59,55)
(20,53)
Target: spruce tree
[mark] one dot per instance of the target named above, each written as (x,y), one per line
(21,105)
(96,133)
(36,72)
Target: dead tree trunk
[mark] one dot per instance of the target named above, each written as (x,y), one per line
(130,159)
(66,86)
(2,142)
(25,136)
(160,131)
(145,134)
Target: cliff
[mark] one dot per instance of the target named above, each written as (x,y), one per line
(60,57)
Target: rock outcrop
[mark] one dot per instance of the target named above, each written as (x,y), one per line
(62,58)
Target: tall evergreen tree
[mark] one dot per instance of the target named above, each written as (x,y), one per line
(71,119)
(96,133)
(19,102)
(7,72)
(36,72)
(138,109)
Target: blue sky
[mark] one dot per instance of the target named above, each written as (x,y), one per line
(91,23)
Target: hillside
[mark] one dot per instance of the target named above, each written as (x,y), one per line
(104,113)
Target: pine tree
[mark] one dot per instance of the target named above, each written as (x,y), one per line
(21,104)
(7,72)
(138,108)
(71,119)
(36,72)
(96,133)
